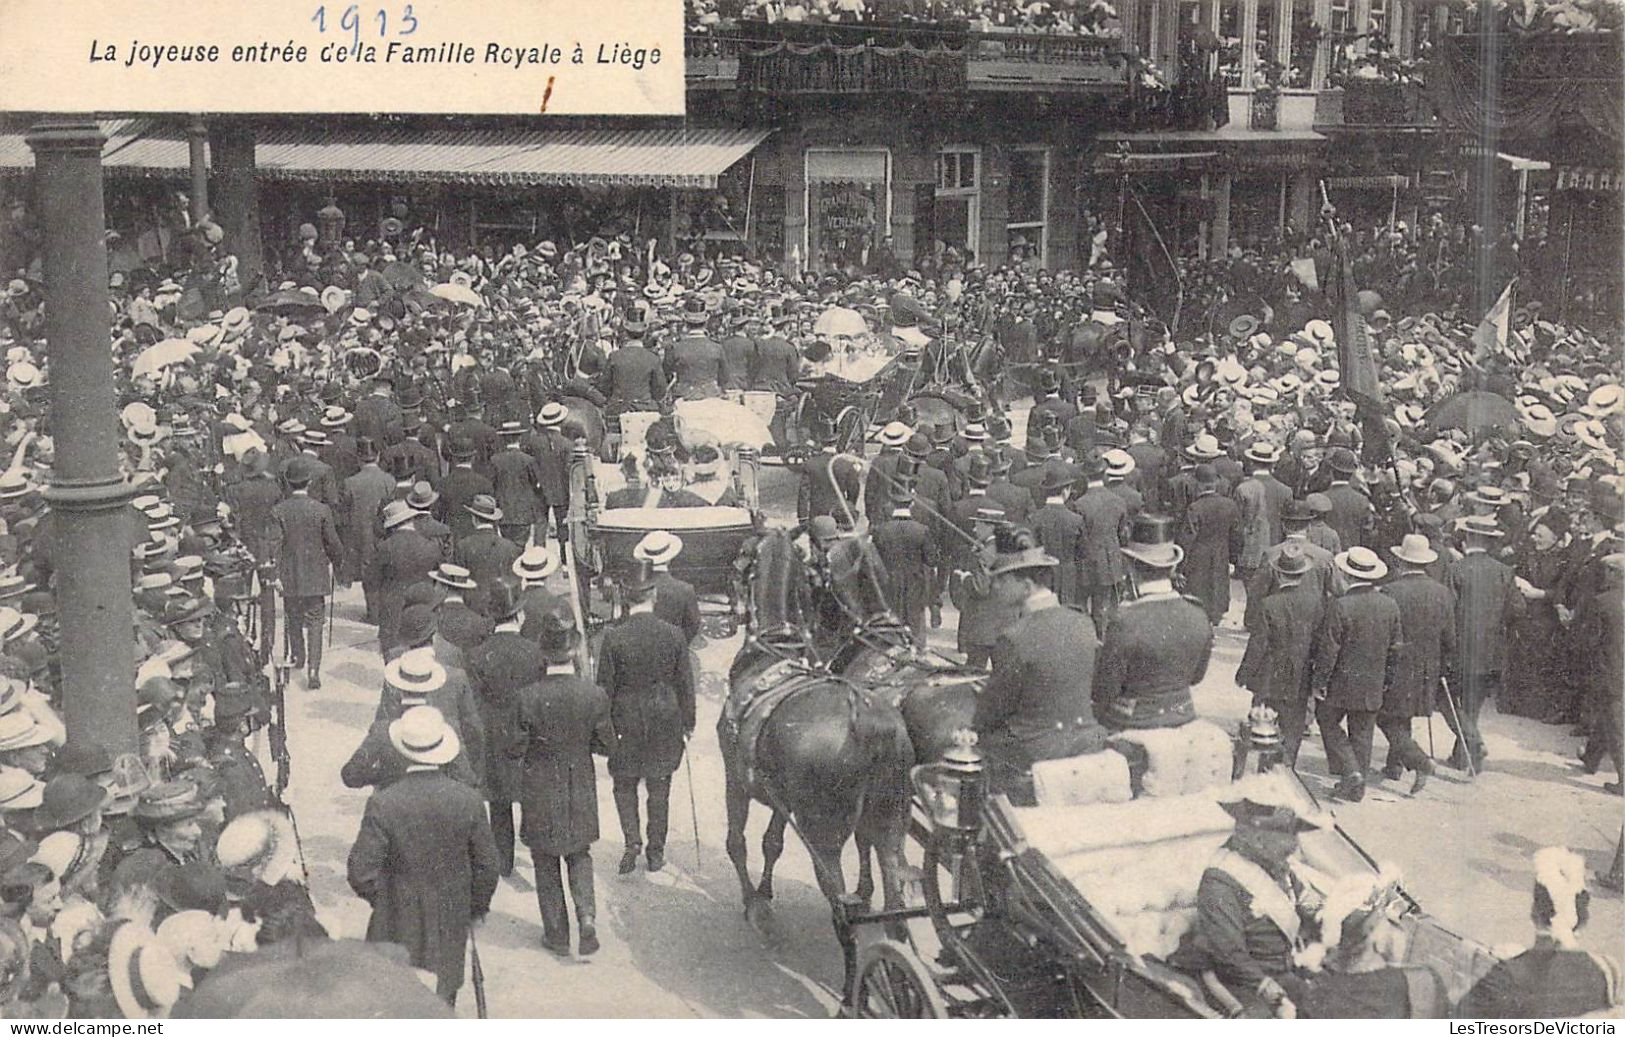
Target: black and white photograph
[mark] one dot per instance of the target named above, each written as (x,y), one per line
(812,509)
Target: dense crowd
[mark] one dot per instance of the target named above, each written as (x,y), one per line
(386,379)
(1064,17)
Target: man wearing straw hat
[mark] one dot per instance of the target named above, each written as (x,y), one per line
(1427,624)
(563,720)
(675,599)
(1357,647)
(1487,601)
(424,859)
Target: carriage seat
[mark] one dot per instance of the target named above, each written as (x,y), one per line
(1159,763)
(1138,863)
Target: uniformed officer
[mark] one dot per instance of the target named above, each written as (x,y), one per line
(1158,645)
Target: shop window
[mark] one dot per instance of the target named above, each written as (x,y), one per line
(1305,40)
(1230,41)
(848,206)
(956,206)
(1028,212)
(1379,18)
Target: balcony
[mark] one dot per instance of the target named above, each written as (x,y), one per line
(803,58)
(1550,88)
(1374,104)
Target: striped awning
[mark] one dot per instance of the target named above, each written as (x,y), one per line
(686,157)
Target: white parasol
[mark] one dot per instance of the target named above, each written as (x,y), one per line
(457,293)
(164,354)
(840,322)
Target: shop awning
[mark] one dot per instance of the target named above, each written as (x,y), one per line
(1370,180)
(685,157)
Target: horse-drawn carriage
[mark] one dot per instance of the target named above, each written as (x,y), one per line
(603,539)
(1025,911)
(856,402)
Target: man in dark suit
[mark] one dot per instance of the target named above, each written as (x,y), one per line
(488,556)
(554,454)
(1149,461)
(1048,400)
(563,720)
(908,550)
(695,361)
(1036,705)
(321,483)
(423,858)
(633,378)
(461,484)
(252,502)
(405,557)
(419,681)
(1427,625)
(1487,601)
(775,368)
(1158,645)
(1281,640)
(643,668)
(340,452)
(1354,657)
(412,458)
(306,547)
(675,600)
(1209,534)
(882,475)
(933,500)
(1352,515)
(1060,532)
(1105,518)
(377,416)
(1120,470)
(468,432)
(503,664)
(738,351)
(1260,498)
(818,492)
(1017,501)
(458,627)
(516,481)
(361,501)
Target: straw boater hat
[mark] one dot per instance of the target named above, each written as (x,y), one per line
(484,506)
(552,415)
(455,576)
(1361,563)
(895,434)
(423,736)
(261,843)
(658,548)
(19,790)
(1414,549)
(1479,526)
(145,977)
(416,672)
(1263,452)
(536,563)
(1604,401)
(1119,463)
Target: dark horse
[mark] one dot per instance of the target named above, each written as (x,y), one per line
(830,758)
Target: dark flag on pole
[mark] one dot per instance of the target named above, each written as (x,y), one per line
(1356,356)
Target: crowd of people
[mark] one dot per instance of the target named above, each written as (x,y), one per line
(403,417)
(1064,17)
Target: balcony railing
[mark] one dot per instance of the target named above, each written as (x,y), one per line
(801,58)
(1374,103)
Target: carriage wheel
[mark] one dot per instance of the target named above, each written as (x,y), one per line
(852,429)
(893,983)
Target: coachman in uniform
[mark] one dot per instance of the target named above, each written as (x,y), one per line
(1036,704)
(1159,644)
(563,720)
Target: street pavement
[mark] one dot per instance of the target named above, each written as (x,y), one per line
(677,944)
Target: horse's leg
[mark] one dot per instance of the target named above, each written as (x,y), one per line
(738,800)
(772,847)
(884,825)
(865,889)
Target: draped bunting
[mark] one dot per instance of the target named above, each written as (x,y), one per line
(1541,83)
(787,67)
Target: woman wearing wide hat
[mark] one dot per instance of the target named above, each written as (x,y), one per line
(563,720)
(1158,645)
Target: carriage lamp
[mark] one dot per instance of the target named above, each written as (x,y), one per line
(953,788)
(1258,747)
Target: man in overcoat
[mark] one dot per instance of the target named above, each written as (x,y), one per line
(1354,657)
(908,550)
(1105,516)
(423,858)
(361,498)
(1352,515)
(458,488)
(516,483)
(1060,532)
(503,664)
(405,557)
(553,453)
(1210,535)
(484,551)
(643,668)
(1487,601)
(306,547)
(1281,639)
(563,720)
(1260,497)
(676,601)
(1427,624)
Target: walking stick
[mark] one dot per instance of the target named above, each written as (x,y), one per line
(1461,732)
(693,809)
(479,975)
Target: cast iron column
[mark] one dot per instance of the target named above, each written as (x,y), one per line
(197,139)
(88,494)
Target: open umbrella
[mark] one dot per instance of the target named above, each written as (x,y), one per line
(314,979)
(840,321)
(457,293)
(1475,412)
(291,302)
(169,352)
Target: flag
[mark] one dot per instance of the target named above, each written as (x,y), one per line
(1355,356)
(1304,270)
(1491,334)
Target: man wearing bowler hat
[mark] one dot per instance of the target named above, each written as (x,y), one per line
(1036,705)
(1354,656)
(1158,645)
(563,720)
(1427,625)
(1060,532)
(1352,515)
(405,557)
(484,551)
(305,548)
(1281,638)
(1210,534)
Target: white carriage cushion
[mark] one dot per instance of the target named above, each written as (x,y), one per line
(635,425)
(1081,780)
(1181,760)
(676,519)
